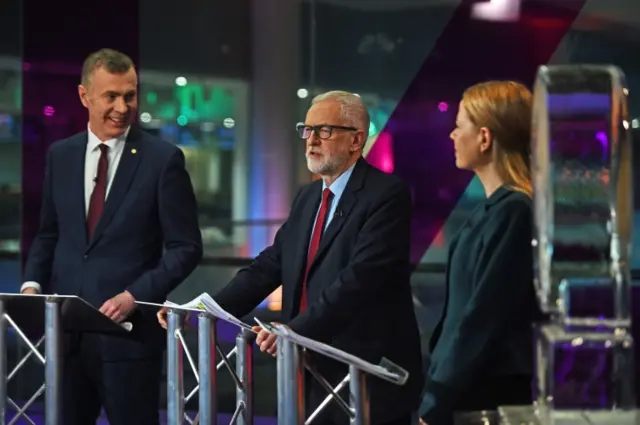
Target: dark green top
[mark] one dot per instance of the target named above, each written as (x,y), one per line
(486,326)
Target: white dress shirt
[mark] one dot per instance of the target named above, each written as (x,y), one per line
(92,155)
(91,158)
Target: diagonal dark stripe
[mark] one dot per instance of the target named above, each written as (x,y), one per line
(468,51)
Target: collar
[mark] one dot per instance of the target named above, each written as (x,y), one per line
(338,186)
(497,195)
(115,143)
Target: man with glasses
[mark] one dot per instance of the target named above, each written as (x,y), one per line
(342,258)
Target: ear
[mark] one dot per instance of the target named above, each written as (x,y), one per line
(358,141)
(486,139)
(82,93)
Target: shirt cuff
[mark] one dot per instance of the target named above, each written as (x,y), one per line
(34,285)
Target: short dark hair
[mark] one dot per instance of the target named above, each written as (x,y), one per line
(111,60)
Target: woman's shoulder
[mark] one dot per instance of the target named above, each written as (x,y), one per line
(514,212)
(514,202)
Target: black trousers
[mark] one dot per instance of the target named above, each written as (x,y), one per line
(129,391)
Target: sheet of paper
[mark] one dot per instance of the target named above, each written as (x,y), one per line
(194,304)
(205,303)
(174,305)
(214,308)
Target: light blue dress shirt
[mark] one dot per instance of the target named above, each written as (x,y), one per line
(337,188)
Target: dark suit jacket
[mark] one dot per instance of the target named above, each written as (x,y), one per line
(485,334)
(358,288)
(150,207)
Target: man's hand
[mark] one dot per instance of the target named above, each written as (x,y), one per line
(162,318)
(266,341)
(30,291)
(119,307)
(421,422)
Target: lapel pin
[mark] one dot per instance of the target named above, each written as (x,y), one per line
(133,151)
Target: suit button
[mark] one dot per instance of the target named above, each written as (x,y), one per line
(85,257)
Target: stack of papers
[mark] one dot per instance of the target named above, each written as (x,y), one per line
(204,302)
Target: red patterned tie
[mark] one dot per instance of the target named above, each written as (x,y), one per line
(315,242)
(99,193)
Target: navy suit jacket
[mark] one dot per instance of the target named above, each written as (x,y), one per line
(150,208)
(359,294)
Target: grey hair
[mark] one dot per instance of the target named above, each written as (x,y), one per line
(113,61)
(352,108)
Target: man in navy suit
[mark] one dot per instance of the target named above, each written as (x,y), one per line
(118,224)
(342,258)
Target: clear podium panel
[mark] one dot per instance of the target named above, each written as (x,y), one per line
(528,415)
(583,187)
(386,370)
(482,417)
(581,370)
(292,357)
(583,229)
(518,415)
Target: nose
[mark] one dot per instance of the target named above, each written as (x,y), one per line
(120,106)
(313,140)
(452,135)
